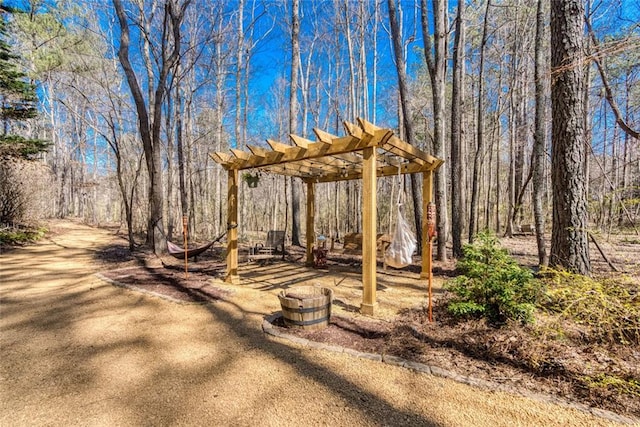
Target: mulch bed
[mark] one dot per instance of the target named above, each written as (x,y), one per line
(510,355)
(169,283)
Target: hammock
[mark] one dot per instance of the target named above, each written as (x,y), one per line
(179,252)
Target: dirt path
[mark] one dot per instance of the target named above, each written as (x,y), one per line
(75,350)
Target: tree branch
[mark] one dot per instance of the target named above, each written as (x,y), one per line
(608,92)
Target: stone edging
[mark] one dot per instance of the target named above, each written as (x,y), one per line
(268,328)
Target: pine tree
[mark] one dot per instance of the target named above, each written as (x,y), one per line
(569,240)
(18,97)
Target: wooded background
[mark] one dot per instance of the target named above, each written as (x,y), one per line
(135,94)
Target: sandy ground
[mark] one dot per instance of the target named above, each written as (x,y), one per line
(75,350)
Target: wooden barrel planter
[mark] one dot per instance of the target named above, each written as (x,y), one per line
(306,307)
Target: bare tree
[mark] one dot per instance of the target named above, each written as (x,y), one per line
(477,158)
(436,63)
(457,95)
(149,124)
(293,115)
(539,143)
(607,88)
(406,111)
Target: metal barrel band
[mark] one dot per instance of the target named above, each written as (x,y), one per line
(308,309)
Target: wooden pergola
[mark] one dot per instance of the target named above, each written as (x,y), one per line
(366,152)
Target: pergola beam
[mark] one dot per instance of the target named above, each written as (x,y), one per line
(356,173)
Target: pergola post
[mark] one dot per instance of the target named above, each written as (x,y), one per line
(311,215)
(368,231)
(232,221)
(427,195)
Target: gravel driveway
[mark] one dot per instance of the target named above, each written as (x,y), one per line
(75,350)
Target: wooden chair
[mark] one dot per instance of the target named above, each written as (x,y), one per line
(274,244)
(353,245)
(524,230)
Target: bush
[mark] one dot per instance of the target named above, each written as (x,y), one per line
(607,308)
(17,236)
(25,191)
(13,199)
(492,284)
(613,382)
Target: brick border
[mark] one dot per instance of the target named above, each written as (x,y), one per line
(269,329)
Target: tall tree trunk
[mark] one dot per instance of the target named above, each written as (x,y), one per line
(625,154)
(569,243)
(406,113)
(219,80)
(477,164)
(238,74)
(363,18)
(539,143)
(293,115)
(374,101)
(182,162)
(457,202)
(351,105)
(169,118)
(436,63)
(154,222)
(114,143)
(521,137)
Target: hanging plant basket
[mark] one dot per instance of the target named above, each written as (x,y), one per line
(251,180)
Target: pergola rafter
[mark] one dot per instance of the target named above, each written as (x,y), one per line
(365,152)
(332,158)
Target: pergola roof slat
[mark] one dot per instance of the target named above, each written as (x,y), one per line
(367,126)
(324,137)
(409,149)
(353,129)
(331,157)
(300,141)
(220,157)
(242,155)
(258,151)
(278,146)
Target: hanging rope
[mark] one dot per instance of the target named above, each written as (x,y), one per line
(397,181)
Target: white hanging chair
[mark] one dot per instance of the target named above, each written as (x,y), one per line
(403,244)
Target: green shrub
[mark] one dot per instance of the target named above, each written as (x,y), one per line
(607,308)
(620,385)
(17,236)
(492,284)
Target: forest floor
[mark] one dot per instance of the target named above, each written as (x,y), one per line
(184,358)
